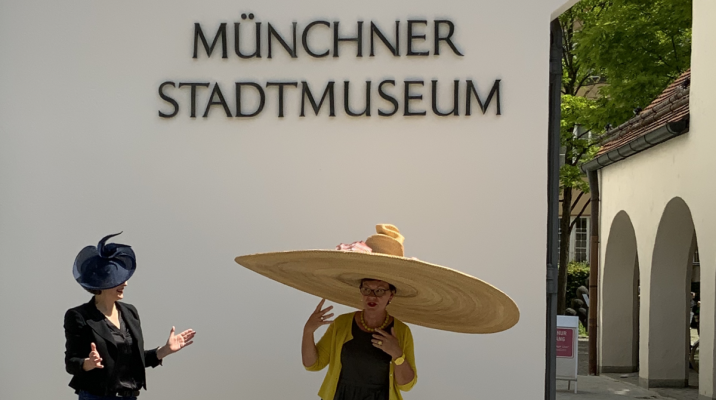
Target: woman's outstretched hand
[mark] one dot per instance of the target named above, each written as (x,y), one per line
(318,318)
(176,342)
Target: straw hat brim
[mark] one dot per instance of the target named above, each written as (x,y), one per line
(427,294)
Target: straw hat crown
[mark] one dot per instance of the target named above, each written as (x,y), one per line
(388,240)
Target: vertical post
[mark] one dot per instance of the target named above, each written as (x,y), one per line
(594,272)
(555,86)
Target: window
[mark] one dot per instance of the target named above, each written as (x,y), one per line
(579,242)
(696,257)
(580,236)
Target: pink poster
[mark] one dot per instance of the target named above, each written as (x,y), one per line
(565,342)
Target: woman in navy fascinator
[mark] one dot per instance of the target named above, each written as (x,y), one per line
(104,347)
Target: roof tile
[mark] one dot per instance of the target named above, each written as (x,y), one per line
(670,106)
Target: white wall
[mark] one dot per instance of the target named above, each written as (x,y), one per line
(84,154)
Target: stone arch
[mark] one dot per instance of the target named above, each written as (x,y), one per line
(667,334)
(619,325)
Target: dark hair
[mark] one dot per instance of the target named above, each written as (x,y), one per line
(392,288)
(95,292)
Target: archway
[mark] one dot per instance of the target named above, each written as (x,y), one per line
(619,326)
(666,338)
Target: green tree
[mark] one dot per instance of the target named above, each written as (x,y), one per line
(633,49)
(639,47)
(577,124)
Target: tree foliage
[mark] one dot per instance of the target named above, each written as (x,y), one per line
(578,147)
(639,47)
(630,49)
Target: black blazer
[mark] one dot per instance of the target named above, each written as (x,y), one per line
(84,325)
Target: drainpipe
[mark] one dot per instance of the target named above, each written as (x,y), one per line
(593,271)
(555,86)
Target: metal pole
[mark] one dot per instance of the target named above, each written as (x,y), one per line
(555,86)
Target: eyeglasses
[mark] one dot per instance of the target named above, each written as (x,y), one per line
(380,292)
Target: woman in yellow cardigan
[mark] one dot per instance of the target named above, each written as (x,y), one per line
(369,353)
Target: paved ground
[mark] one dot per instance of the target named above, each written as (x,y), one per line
(618,386)
(603,388)
(690,393)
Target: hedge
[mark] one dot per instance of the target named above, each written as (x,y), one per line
(577,275)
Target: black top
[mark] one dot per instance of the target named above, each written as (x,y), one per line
(365,369)
(85,325)
(128,362)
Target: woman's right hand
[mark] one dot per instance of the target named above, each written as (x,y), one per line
(94,360)
(318,318)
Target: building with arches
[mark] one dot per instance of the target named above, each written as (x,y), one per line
(655,202)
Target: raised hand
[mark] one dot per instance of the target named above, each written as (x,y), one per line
(178,342)
(318,318)
(387,342)
(94,360)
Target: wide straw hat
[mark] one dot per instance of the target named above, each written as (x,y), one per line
(427,294)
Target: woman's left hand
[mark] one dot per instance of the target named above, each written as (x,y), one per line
(178,342)
(387,342)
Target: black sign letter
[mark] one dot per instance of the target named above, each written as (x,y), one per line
(446,38)
(304,38)
(273,34)
(237,41)
(306,92)
(411,37)
(168,100)
(393,49)
(199,35)
(262,98)
(388,97)
(455,106)
(193,94)
(212,102)
(346,100)
(358,39)
(472,90)
(280,93)
(409,97)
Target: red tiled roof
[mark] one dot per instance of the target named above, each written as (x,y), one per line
(672,105)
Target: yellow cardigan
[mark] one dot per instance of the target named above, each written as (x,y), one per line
(329,353)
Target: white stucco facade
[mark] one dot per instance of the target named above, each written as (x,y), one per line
(85,153)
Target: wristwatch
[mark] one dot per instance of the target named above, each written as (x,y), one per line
(400,360)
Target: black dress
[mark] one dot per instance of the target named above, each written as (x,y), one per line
(365,369)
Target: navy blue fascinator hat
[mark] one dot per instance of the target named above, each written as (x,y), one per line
(106,266)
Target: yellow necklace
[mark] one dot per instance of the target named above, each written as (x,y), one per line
(385,323)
